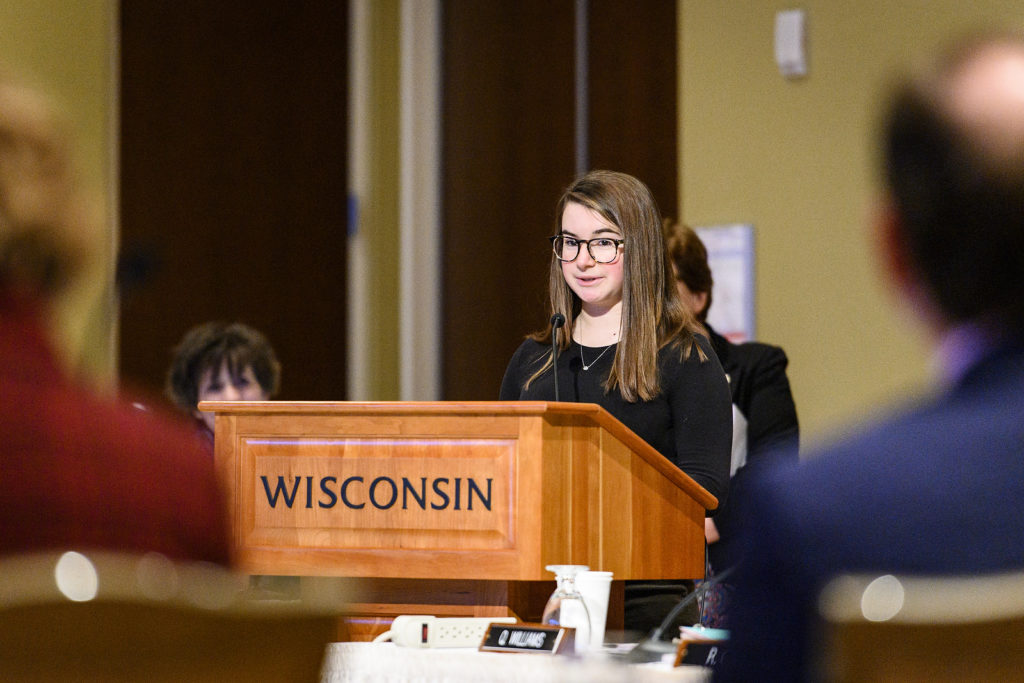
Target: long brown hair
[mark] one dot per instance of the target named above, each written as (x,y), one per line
(652,314)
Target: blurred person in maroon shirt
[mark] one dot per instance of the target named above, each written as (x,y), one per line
(79,471)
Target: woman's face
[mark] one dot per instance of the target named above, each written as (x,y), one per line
(695,301)
(220,386)
(598,285)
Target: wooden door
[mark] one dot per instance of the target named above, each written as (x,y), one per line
(509,152)
(233,182)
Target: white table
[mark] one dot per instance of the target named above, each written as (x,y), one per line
(390,663)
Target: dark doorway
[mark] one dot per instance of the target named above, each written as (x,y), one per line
(509,153)
(233,182)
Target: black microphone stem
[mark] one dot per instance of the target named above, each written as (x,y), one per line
(648,649)
(557,320)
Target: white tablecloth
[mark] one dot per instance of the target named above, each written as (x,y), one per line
(389,663)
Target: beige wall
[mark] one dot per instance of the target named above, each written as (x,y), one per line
(66,48)
(379,209)
(796,159)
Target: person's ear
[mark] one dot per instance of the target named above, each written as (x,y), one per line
(891,244)
(897,263)
(700,300)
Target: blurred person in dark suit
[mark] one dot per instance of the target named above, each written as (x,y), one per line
(79,471)
(764,414)
(936,487)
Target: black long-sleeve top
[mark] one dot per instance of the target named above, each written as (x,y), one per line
(689,422)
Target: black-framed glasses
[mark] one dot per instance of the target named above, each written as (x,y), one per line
(602,249)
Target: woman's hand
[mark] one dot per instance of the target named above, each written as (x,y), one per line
(710,531)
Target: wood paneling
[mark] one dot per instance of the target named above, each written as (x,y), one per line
(233,166)
(632,69)
(509,113)
(508,154)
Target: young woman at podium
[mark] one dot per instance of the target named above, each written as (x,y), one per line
(627,344)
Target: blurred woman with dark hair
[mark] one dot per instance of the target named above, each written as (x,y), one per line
(219,361)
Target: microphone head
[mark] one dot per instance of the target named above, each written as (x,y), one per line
(557,320)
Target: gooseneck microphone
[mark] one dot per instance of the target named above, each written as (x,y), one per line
(652,647)
(557,320)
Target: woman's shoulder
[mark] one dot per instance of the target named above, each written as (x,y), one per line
(686,358)
(747,353)
(758,350)
(687,347)
(531,345)
(524,362)
(757,357)
(690,363)
(703,341)
(528,352)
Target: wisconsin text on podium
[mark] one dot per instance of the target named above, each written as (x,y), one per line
(383,492)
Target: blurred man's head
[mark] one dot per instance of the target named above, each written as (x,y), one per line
(43,224)
(954,169)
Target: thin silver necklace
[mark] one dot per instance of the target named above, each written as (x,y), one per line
(586,365)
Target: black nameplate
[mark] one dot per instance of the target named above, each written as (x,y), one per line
(536,638)
(709,654)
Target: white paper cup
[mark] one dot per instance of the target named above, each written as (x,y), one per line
(595,588)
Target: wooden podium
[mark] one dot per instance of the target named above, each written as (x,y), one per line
(452,509)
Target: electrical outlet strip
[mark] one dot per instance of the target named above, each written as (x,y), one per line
(427,631)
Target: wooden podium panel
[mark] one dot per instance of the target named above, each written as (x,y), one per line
(445,491)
